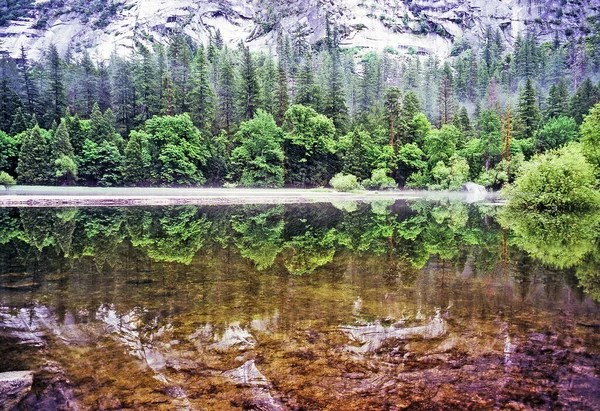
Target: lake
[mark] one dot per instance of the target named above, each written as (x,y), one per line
(346,306)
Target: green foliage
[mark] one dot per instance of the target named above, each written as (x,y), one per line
(559,240)
(379,180)
(257,161)
(590,137)
(177,151)
(34,163)
(100,164)
(6,179)
(344,182)
(556,181)
(65,170)
(557,132)
(8,153)
(450,177)
(308,146)
(136,160)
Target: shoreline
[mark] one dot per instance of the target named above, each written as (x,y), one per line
(42,196)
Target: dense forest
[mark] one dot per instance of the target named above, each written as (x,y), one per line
(186,115)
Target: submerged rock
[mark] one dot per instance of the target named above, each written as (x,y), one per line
(14,386)
(373,336)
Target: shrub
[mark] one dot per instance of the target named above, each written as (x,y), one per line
(344,182)
(379,180)
(560,180)
(6,179)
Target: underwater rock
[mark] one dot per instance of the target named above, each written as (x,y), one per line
(14,386)
(373,336)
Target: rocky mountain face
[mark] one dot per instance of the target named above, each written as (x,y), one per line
(421,26)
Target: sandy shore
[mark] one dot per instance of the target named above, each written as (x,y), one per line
(38,196)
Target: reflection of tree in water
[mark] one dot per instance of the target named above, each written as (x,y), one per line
(171,234)
(260,230)
(558,240)
(100,232)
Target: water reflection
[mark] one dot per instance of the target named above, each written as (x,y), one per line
(367,306)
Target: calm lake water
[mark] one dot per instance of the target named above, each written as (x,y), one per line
(349,306)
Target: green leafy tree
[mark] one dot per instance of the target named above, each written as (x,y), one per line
(257,161)
(55,96)
(309,146)
(557,132)
(9,153)
(556,181)
(177,151)
(226,95)
(557,104)
(590,137)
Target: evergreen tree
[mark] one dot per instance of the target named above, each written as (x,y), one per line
(446,99)
(393,107)
(249,91)
(307,92)
(226,95)
(557,103)
(147,83)
(32,93)
(104,87)
(55,98)
(529,116)
(136,159)
(202,102)
(61,156)
(88,87)
(34,163)
(123,93)
(180,61)
(335,99)
(282,95)
(20,122)
(584,98)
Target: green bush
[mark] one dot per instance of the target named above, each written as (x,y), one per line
(344,182)
(560,180)
(379,180)
(6,179)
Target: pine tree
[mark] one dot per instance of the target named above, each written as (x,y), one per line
(557,103)
(282,95)
(393,107)
(202,102)
(32,93)
(20,122)
(135,159)
(226,95)
(446,99)
(583,100)
(61,156)
(529,116)
(268,82)
(123,93)
(104,87)
(33,164)
(249,91)
(88,85)
(306,91)
(147,84)
(335,99)
(180,61)
(55,99)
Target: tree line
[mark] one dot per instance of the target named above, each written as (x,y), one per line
(186,115)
